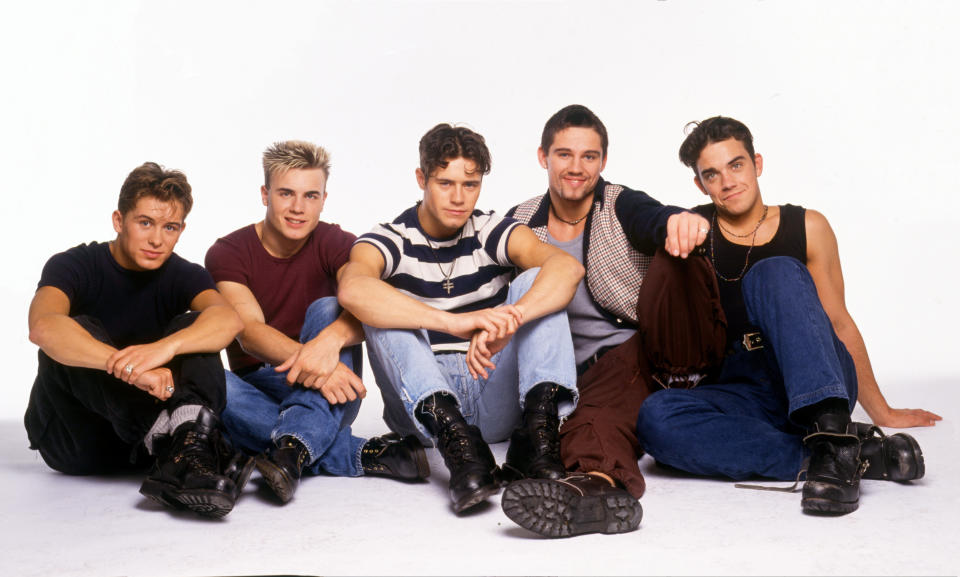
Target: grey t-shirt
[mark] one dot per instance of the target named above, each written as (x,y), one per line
(590,329)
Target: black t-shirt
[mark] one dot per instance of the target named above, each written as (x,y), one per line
(135,307)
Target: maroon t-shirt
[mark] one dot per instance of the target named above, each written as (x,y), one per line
(284,287)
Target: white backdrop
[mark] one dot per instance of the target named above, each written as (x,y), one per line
(852,105)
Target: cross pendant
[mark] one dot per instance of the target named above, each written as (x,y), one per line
(447,285)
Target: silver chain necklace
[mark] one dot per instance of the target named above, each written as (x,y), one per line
(447,284)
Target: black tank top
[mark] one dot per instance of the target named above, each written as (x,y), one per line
(728,258)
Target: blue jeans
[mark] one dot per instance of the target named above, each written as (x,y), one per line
(262,407)
(407,372)
(740,426)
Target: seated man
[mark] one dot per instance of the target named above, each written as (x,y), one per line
(461,354)
(126,375)
(614,231)
(295,388)
(785,390)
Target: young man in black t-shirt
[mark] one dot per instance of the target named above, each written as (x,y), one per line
(127,376)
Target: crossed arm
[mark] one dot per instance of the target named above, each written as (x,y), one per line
(823,261)
(376,303)
(65,341)
(314,364)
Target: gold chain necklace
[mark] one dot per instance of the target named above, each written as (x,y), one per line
(746,262)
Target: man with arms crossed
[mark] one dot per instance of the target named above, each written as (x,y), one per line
(614,231)
(461,354)
(125,377)
(797,363)
(295,388)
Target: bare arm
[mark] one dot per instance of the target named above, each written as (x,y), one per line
(823,261)
(212,330)
(257,338)
(376,303)
(557,281)
(61,337)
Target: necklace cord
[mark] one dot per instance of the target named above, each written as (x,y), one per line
(753,240)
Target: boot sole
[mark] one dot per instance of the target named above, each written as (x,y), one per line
(279,482)
(817,505)
(423,466)
(896,475)
(205,502)
(553,509)
(475,498)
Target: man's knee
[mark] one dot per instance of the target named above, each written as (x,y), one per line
(320,314)
(774,270)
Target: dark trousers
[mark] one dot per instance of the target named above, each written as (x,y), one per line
(85,421)
(681,330)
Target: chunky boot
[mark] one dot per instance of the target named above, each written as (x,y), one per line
(391,456)
(574,505)
(535,445)
(237,466)
(471,464)
(186,475)
(890,458)
(282,465)
(833,476)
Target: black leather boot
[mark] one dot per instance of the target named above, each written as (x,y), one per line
(237,466)
(282,465)
(535,445)
(187,472)
(833,476)
(577,504)
(465,453)
(391,456)
(890,458)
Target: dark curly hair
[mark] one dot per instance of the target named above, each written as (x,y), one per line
(152,180)
(444,143)
(716,129)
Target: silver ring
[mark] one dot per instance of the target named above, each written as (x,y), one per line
(128,369)
(704,230)
(170,389)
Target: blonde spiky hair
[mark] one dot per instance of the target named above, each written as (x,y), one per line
(282,156)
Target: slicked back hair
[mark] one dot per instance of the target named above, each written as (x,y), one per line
(574,115)
(294,154)
(715,129)
(444,143)
(152,180)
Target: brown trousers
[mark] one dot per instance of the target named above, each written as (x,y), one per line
(681,329)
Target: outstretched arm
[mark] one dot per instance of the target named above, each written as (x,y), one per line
(823,261)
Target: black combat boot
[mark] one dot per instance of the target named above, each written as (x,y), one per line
(890,458)
(535,445)
(577,504)
(237,466)
(467,456)
(391,456)
(833,476)
(282,465)
(187,472)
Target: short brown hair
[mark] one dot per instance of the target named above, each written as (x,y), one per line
(294,154)
(152,180)
(576,115)
(444,143)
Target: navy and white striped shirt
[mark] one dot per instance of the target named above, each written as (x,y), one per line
(475,261)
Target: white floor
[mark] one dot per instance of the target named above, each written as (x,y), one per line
(53,525)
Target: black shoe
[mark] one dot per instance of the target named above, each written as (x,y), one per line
(282,465)
(574,505)
(186,475)
(833,476)
(237,466)
(472,467)
(890,458)
(391,456)
(535,445)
